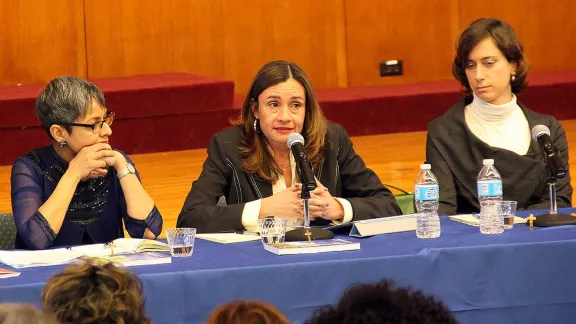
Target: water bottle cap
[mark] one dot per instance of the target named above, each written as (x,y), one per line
(488,162)
(425,167)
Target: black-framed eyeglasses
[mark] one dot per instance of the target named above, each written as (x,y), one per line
(97,126)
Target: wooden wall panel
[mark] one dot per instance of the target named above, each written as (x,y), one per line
(41,39)
(216,38)
(420,32)
(546,28)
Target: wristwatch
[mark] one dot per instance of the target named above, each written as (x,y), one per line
(127,170)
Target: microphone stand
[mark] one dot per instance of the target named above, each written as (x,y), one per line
(307,233)
(553,218)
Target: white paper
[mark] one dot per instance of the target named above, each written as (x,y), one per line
(226,238)
(41,258)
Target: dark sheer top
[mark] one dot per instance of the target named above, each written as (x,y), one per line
(94,215)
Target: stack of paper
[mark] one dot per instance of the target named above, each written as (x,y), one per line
(226,238)
(25,259)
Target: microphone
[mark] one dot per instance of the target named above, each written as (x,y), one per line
(296,145)
(541,134)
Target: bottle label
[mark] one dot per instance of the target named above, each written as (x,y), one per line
(490,188)
(426,192)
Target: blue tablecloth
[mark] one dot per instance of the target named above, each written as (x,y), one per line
(520,276)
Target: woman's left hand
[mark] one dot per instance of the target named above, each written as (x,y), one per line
(331,209)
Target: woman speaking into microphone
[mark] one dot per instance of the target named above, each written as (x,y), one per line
(252,167)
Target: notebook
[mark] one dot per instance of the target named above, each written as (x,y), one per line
(122,246)
(332,245)
(130,260)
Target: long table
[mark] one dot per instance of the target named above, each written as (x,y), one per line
(520,276)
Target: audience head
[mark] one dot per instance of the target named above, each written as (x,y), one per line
(247,312)
(490,61)
(73,113)
(23,314)
(383,303)
(280,101)
(86,294)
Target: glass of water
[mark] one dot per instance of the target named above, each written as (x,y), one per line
(272,229)
(508,210)
(181,241)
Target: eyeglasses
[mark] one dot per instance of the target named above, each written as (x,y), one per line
(97,126)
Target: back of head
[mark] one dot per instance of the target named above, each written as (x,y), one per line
(23,314)
(247,312)
(382,303)
(85,293)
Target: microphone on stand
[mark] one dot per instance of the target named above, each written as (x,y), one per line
(306,175)
(556,170)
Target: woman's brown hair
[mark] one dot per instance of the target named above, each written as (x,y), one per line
(256,158)
(505,39)
(86,293)
(14,313)
(242,312)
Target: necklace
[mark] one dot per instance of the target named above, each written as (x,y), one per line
(282,166)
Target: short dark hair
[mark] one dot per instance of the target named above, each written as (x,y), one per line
(65,99)
(505,39)
(86,293)
(383,303)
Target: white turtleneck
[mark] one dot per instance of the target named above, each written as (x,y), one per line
(504,126)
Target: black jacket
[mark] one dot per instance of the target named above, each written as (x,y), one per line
(343,172)
(456,155)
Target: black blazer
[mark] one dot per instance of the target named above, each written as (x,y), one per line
(343,172)
(456,155)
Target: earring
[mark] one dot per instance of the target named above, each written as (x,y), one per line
(63,144)
(513,78)
(257,126)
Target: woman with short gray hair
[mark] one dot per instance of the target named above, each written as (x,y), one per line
(77,190)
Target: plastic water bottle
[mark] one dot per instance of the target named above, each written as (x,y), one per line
(489,195)
(427,194)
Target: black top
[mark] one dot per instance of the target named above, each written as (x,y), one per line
(95,213)
(343,172)
(456,155)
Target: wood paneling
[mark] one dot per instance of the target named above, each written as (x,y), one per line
(227,39)
(168,176)
(545,28)
(422,33)
(41,39)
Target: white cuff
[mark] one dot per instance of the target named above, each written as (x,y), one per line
(250,215)
(348,213)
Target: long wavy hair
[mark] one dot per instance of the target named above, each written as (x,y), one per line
(90,294)
(255,156)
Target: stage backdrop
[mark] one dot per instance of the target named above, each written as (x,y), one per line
(339,43)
